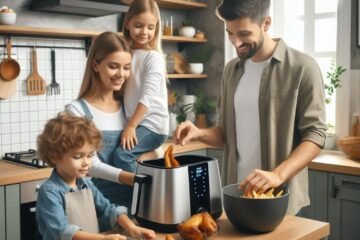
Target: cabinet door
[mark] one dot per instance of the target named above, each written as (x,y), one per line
(344,207)
(318,193)
(12,218)
(2,213)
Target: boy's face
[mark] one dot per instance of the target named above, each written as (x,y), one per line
(114,70)
(246,36)
(75,163)
(142,29)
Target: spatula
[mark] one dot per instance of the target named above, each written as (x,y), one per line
(35,83)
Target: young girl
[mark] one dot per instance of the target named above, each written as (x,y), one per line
(108,67)
(145,95)
(69,205)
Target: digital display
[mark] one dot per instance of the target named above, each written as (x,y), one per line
(199,187)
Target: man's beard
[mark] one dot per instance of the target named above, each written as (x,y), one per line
(253,49)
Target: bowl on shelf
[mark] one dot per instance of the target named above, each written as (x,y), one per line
(258,215)
(196,68)
(7,18)
(350,146)
(187,31)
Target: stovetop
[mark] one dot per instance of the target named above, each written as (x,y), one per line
(28,158)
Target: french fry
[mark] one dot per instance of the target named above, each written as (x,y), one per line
(268,194)
(173,161)
(167,159)
(279,194)
(169,237)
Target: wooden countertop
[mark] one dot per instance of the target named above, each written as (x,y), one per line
(330,161)
(335,161)
(292,227)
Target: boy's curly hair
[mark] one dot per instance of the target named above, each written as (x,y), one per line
(64,133)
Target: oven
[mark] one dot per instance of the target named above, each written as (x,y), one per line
(28,196)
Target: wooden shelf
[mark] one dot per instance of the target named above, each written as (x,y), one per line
(177,4)
(14,30)
(183,39)
(186,76)
(45,32)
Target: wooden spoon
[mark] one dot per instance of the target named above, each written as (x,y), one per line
(9,68)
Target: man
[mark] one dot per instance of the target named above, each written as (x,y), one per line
(272,113)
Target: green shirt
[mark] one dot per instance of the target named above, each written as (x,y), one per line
(291,110)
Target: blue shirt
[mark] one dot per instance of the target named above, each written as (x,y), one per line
(51,205)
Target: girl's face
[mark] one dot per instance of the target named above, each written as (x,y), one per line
(114,70)
(142,29)
(75,164)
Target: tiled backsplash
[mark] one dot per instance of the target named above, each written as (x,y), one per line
(22,117)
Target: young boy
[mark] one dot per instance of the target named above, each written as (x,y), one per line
(69,205)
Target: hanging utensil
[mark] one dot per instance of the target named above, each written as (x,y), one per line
(9,68)
(35,83)
(54,87)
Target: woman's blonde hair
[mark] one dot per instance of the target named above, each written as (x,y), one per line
(65,133)
(138,7)
(105,44)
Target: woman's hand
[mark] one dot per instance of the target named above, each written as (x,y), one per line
(142,233)
(260,181)
(128,138)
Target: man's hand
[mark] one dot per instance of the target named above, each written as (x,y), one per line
(185,132)
(260,181)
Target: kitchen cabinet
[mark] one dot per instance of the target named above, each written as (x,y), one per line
(335,198)
(344,206)
(2,213)
(12,212)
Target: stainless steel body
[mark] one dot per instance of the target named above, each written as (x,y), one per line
(163,197)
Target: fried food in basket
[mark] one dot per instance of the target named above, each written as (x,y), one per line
(268,194)
(198,227)
(170,160)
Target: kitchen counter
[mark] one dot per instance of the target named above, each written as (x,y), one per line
(335,161)
(331,161)
(292,227)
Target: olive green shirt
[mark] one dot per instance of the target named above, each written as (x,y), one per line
(291,110)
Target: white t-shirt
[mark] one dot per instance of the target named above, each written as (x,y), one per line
(246,104)
(104,122)
(147,85)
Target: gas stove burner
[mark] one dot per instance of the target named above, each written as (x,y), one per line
(28,158)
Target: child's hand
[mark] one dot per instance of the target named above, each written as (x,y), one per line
(114,237)
(128,138)
(143,233)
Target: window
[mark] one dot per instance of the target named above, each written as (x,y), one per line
(309,26)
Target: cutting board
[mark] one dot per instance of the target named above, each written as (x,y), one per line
(7,88)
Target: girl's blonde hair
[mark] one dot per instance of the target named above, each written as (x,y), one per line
(105,44)
(138,7)
(65,133)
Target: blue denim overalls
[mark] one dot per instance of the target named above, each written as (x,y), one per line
(117,193)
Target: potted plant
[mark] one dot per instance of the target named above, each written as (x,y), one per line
(187,29)
(334,81)
(198,57)
(201,107)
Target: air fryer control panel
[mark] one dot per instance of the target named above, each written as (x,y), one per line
(199,187)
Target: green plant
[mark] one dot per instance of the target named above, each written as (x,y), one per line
(187,23)
(333,75)
(202,104)
(200,55)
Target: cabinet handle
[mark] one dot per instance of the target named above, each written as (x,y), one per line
(33,209)
(345,184)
